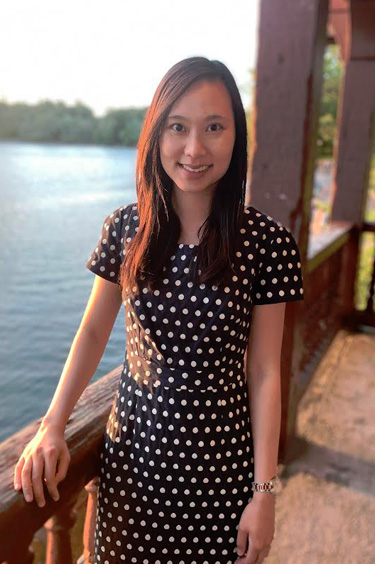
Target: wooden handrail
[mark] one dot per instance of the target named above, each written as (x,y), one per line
(83,435)
(323,245)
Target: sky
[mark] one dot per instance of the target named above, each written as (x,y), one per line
(113,53)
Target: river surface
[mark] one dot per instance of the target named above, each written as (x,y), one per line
(53,201)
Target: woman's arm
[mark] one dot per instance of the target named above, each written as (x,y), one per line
(86,351)
(47,456)
(257,525)
(263,378)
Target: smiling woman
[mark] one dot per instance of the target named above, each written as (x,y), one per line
(188,456)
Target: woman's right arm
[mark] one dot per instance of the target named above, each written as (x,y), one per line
(47,451)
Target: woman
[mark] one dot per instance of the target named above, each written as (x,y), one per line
(195,423)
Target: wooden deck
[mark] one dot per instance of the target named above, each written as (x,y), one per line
(326,511)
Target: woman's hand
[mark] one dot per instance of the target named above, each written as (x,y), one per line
(257,527)
(45,458)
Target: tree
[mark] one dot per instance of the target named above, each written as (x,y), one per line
(332,75)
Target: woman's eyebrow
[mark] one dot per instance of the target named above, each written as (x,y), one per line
(207,118)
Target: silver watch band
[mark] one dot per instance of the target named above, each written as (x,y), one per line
(268,487)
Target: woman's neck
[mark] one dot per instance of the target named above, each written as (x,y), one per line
(192,210)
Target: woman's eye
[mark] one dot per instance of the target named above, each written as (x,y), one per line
(178,124)
(217,125)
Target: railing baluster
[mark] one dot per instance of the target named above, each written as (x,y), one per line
(90,522)
(59,550)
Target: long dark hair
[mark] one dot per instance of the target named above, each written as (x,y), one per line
(159,225)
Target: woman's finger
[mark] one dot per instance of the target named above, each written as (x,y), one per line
(36,476)
(50,477)
(63,465)
(241,541)
(26,479)
(252,554)
(17,473)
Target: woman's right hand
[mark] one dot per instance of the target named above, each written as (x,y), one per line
(45,459)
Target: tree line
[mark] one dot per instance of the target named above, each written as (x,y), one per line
(58,122)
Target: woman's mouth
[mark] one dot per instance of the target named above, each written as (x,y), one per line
(192,172)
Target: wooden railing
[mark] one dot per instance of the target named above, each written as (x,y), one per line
(328,294)
(20,520)
(329,280)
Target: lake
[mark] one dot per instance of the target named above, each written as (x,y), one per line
(53,201)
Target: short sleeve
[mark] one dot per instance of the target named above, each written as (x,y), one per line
(279,276)
(105,259)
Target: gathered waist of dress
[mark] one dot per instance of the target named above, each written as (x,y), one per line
(146,372)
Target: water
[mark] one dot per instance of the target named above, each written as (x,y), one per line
(53,200)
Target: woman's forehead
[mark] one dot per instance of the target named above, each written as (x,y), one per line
(209,100)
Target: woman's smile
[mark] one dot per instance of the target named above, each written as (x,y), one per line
(193,172)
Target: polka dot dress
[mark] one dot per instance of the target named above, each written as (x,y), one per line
(176,458)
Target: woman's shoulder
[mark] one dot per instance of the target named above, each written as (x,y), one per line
(254,216)
(262,225)
(129,219)
(266,233)
(275,259)
(122,221)
(123,215)
(124,211)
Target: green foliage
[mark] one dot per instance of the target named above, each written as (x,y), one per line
(120,127)
(332,76)
(365,266)
(372,173)
(57,122)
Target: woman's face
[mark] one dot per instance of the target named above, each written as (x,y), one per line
(199,132)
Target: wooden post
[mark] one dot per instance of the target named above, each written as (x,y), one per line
(292,39)
(356,118)
(356,126)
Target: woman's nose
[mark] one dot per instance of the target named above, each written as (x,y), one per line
(194,146)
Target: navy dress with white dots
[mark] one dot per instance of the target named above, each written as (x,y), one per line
(176,459)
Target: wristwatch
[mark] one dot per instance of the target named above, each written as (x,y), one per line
(273,486)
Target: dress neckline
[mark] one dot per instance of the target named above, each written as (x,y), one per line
(188,245)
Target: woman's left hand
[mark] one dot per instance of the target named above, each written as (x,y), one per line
(257,527)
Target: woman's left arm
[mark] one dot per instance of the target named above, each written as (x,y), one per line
(263,361)
(263,379)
